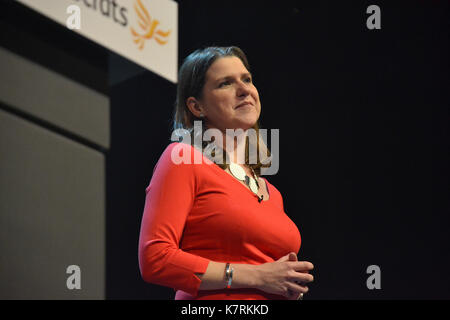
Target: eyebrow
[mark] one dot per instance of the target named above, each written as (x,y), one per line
(231,77)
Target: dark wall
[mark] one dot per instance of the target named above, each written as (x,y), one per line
(363,120)
(363,125)
(140,115)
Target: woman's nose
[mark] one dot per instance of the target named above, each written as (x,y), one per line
(243,89)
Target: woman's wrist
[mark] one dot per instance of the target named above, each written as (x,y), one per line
(245,276)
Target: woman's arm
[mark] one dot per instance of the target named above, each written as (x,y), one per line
(286,276)
(244,276)
(169,199)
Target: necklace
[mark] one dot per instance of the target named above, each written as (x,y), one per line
(239,173)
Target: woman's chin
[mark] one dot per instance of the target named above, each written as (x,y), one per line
(247,122)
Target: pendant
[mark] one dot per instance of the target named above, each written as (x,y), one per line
(253,186)
(237,171)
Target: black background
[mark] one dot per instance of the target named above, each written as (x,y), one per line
(363,120)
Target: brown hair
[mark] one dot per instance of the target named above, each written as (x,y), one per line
(191,80)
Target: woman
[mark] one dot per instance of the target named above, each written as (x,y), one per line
(218,231)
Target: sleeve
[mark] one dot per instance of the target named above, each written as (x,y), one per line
(169,199)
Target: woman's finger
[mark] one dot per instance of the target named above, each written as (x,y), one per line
(301,277)
(292,256)
(284,258)
(302,266)
(297,289)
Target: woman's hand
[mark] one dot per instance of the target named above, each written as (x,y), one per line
(286,276)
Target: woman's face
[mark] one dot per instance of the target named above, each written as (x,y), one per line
(229,99)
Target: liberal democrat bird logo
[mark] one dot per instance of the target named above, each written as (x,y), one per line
(148,26)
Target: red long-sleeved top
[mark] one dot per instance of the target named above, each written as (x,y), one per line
(196,213)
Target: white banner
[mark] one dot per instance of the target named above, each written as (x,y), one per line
(144,31)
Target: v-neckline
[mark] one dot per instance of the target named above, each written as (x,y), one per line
(233,178)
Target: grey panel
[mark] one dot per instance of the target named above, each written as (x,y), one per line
(47,95)
(52,214)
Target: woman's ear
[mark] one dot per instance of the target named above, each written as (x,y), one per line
(194,106)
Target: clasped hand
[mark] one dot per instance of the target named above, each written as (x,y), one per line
(287,276)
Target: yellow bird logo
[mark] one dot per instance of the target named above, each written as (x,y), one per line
(149,27)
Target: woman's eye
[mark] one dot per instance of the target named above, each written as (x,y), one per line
(225,83)
(249,80)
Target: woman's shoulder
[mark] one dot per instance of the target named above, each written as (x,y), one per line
(183,155)
(173,166)
(171,158)
(175,153)
(177,146)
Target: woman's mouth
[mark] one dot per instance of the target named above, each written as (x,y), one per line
(244,104)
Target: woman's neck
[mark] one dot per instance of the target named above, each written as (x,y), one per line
(234,144)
